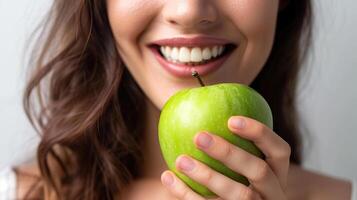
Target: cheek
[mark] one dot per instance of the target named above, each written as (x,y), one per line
(256,17)
(256,21)
(128,18)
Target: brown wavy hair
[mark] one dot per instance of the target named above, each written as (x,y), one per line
(85,105)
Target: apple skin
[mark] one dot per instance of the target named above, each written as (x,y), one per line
(208,108)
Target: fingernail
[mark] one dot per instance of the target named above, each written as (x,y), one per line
(238,123)
(186,164)
(167,179)
(204,140)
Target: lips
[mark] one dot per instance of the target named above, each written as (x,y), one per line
(184,70)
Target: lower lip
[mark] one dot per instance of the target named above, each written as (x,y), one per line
(185,71)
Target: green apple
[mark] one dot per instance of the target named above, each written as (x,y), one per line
(208,108)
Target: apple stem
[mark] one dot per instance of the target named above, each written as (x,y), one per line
(196,75)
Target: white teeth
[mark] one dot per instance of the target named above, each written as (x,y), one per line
(196,55)
(167,52)
(220,50)
(215,51)
(186,55)
(163,51)
(206,53)
(174,54)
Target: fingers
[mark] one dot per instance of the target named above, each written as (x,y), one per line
(268,178)
(255,169)
(221,185)
(276,150)
(178,188)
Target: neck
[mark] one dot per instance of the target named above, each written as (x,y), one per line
(154,163)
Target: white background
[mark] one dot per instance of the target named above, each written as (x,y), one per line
(327,99)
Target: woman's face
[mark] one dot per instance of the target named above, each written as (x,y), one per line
(246,25)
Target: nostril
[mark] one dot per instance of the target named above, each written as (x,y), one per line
(173,22)
(204,22)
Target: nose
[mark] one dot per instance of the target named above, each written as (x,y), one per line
(190,14)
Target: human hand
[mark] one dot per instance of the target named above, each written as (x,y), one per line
(268,178)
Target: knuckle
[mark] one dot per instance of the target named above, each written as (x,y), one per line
(288,149)
(246,194)
(261,172)
(181,191)
(206,176)
(185,194)
(260,131)
(226,151)
(284,152)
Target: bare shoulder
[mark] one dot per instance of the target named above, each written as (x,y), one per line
(28,181)
(310,185)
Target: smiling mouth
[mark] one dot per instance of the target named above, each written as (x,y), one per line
(193,56)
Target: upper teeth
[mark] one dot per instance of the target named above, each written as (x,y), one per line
(186,54)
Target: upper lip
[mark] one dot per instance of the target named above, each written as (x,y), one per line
(198,41)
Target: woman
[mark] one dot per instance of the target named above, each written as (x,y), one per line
(107,68)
